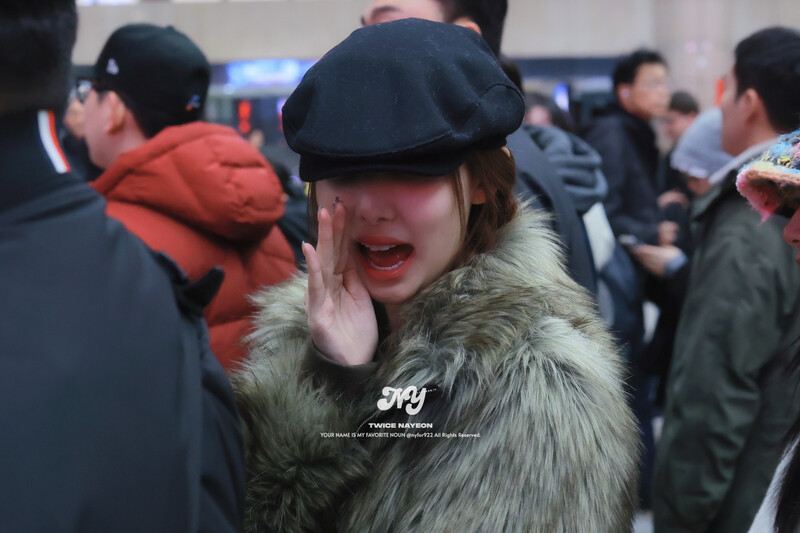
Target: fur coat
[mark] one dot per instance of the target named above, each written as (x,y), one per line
(508,347)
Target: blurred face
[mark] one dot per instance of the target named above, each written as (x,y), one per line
(698,186)
(648,96)
(74,118)
(538,116)
(403,231)
(388,10)
(675,123)
(94,130)
(734,123)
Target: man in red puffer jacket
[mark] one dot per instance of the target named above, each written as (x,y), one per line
(197,191)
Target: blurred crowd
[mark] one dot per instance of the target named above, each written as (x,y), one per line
(696,281)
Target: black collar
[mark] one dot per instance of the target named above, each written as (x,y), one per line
(32,163)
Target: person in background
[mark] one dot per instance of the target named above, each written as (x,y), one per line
(537,180)
(681,112)
(579,166)
(626,141)
(624,138)
(197,191)
(294,222)
(115,415)
(420,279)
(671,186)
(772,186)
(73,142)
(727,410)
(543,111)
(697,157)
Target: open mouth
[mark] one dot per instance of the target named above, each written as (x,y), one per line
(385,257)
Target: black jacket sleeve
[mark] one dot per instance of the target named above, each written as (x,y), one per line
(624,204)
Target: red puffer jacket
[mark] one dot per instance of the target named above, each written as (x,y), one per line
(203,195)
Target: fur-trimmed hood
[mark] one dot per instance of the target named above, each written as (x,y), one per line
(510,348)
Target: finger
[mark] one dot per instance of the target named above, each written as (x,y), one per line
(325,247)
(340,238)
(352,283)
(315,292)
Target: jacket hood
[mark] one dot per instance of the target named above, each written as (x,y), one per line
(202,174)
(578,164)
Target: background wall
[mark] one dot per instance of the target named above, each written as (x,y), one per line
(696,36)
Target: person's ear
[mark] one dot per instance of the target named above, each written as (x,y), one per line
(624,91)
(115,111)
(478,195)
(752,106)
(466,22)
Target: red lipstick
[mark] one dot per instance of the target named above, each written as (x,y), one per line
(384,258)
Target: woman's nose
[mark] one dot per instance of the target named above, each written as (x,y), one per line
(374,205)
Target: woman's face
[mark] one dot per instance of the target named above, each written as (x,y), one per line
(403,231)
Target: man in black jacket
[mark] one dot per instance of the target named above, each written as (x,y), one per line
(537,179)
(114,414)
(627,143)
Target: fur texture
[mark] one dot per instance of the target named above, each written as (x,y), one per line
(517,354)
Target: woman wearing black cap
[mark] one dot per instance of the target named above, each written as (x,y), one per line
(437,370)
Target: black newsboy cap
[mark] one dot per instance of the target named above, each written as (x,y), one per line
(409,96)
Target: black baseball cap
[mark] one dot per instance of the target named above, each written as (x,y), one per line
(410,96)
(155,67)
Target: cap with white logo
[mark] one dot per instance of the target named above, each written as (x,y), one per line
(155,67)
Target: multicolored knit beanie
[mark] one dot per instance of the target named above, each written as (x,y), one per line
(771,183)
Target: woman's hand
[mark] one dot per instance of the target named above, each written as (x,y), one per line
(341,318)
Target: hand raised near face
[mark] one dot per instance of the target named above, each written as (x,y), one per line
(341,318)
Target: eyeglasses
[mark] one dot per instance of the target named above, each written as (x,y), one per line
(82,88)
(84,85)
